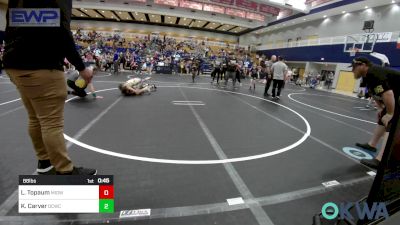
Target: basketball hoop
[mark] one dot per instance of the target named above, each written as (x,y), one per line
(353,51)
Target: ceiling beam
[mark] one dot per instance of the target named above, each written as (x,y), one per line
(219,26)
(98,13)
(132,17)
(83,13)
(177,12)
(232,28)
(116,15)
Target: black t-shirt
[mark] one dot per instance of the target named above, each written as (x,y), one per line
(380,79)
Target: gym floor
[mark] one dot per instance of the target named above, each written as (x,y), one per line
(185,149)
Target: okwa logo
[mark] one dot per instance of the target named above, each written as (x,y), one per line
(331,211)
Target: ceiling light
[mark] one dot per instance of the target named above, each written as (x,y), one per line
(184,18)
(136,13)
(85,10)
(366,7)
(325,16)
(343,12)
(304,19)
(97,15)
(102,11)
(81,14)
(142,19)
(393,1)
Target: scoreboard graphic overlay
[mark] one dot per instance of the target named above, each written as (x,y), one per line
(66,194)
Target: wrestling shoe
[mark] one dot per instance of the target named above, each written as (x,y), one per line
(372,163)
(80,171)
(366,146)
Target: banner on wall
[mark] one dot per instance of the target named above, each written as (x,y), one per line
(191,4)
(235,12)
(255,16)
(384,37)
(228,2)
(214,8)
(269,9)
(167,2)
(247,4)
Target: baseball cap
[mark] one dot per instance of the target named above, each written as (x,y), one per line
(360,61)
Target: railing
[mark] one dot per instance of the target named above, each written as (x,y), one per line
(313,42)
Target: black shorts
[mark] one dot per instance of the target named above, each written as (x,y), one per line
(77,91)
(381,123)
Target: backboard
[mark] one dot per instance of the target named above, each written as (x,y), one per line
(362,43)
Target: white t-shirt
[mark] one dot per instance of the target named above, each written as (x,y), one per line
(279,69)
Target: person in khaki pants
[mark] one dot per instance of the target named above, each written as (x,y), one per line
(33,59)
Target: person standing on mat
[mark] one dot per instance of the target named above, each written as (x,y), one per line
(383,85)
(231,63)
(268,65)
(279,71)
(40,80)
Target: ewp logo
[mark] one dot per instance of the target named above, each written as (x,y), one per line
(331,211)
(23,17)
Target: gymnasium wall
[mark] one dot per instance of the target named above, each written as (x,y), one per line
(386,20)
(333,53)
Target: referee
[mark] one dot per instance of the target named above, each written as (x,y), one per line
(40,78)
(384,86)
